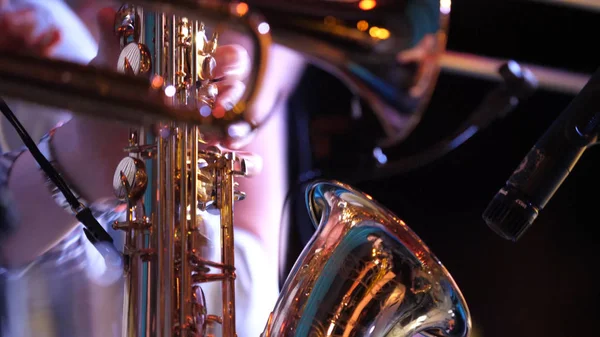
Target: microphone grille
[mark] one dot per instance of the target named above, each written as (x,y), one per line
(509,215)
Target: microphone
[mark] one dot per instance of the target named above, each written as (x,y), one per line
(516,206)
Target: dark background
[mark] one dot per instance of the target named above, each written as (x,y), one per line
(544,284)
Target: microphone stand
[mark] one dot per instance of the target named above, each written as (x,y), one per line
(95,233)
(518,85)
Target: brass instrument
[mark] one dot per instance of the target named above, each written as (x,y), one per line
(166,240)
(365,273)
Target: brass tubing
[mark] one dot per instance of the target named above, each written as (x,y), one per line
(227,243)
(172,55)
(194,203)
(156,289)
(135,261)
(209,278)
(487,68)
(193,65)
(185,273)
(169,276)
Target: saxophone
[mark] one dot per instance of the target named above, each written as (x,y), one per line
(167,178)
(364,273)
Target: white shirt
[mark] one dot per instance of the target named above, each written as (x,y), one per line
(57,296)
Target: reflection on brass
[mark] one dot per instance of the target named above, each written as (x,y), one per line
(365,273)
(130,180)
(163,293)
(387,55)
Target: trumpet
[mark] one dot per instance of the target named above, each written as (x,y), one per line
(364,273)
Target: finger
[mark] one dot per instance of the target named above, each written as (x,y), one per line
(252,161)
(233,62)
(105,20)
(420,51)
(18,40)
(23,32)
(45,43)
(230,93)
(108,44)
(17,29)
(13,22)
(18,15)
(239,136)
(411,55)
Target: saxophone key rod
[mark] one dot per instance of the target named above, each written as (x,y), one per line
(226,178)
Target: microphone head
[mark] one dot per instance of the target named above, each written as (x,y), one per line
(510,214)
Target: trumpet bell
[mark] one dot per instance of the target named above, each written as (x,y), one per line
(383,58)
(365,273)
(385,52)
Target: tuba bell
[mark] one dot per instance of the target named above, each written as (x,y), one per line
(364,273)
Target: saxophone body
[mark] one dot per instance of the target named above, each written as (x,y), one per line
(169,179)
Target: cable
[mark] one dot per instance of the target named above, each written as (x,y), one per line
(92,228)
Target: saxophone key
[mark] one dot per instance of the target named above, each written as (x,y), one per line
(137,225)
(127,25)
(130,179)
(135,59)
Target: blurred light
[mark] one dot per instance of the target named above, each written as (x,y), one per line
(379,33)
(239,108)
(205,110)
(379,155)
(421,319)
(463,137)
(445,6)
(330,20)
(383,33)
(170,91)
(200,38)
(362,25)
(373,31)
(241,9)
(239,130)
(366,5)
(264,28)
(218,112)
(157,82)
(514,68)
(330,330)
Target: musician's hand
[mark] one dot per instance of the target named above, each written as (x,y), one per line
(424,54)
(253,161)
(232,65)
(108,44)
(18,28)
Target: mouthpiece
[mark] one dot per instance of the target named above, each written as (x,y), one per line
(510,214)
